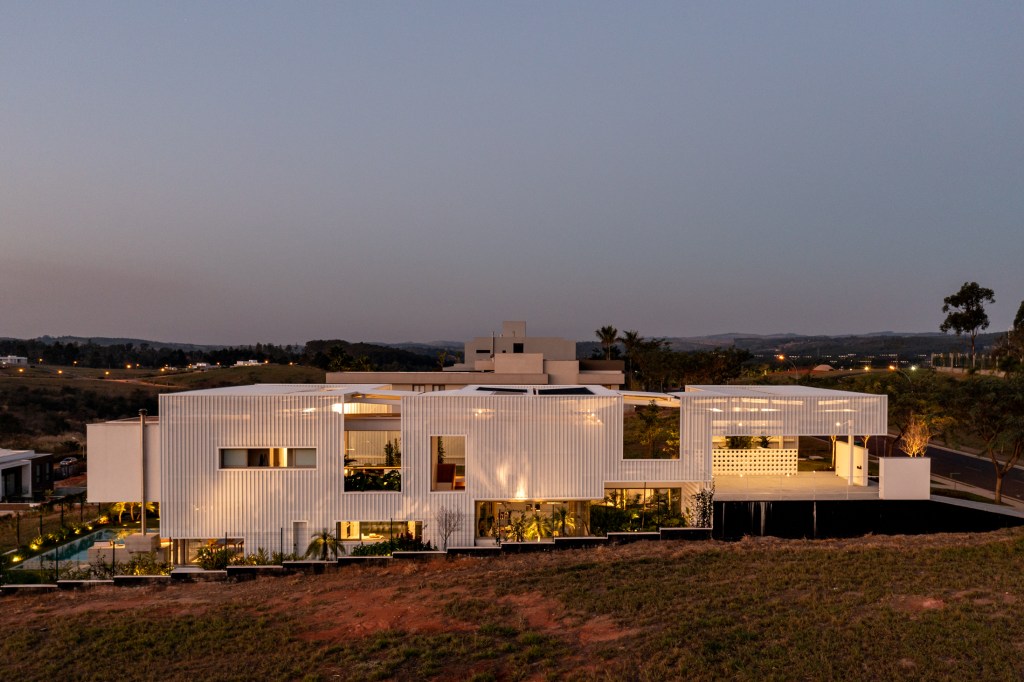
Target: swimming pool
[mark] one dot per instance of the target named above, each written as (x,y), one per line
(76,551)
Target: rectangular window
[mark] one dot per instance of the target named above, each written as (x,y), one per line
(378,531)
(632,509)
(650,432)
(517,348)
(268,458)
(373,461)
(447,463)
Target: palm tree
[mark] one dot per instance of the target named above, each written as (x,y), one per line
(608,336)
(323,542)
(563,521)
(538,526)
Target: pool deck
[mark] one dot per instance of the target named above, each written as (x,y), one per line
(812,485)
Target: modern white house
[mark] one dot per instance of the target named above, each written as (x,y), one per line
(509,358)
(269,465)
(13,361)
(24,474)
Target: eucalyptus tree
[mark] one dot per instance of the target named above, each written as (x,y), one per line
(991,411)
(965,312)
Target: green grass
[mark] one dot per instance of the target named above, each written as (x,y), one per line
(941,607)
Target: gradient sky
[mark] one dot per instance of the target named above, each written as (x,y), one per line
(242,172)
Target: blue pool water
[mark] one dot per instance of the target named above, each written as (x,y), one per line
(76,551)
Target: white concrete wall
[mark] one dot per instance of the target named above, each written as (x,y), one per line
(562,372)
(904,478)
(517,447)
(860,462)
(519,363)
(115,461)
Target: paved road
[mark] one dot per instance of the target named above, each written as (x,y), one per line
(975,471)
(965,468)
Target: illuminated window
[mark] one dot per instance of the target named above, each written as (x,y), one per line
(268,458)
(373,461)
(447,463)
(377,531)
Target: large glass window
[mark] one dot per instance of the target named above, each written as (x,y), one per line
(373,461)
(650,432)
(447,463)
(376,531)
(632,509)
(268,458)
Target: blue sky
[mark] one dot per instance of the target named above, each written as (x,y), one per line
(241,172)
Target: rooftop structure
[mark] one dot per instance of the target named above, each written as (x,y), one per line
(510,358)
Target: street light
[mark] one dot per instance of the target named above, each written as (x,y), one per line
(782,358)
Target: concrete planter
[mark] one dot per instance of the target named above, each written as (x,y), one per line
(685,533)
(141,580)
(198,575)
(27,589)
(571,542)
(253,572)
(621,538)
(526,547)
(364,561)
(417,556)
(484,550)
(904,478)
(315,567)
(82,584)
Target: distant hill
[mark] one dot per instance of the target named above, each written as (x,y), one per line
(887,344)
(116,341)
(432,348)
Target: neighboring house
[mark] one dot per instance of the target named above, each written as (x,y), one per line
(13,361)
(268,465)
(513,358)
(25,474)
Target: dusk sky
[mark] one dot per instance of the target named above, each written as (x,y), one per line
(242,172)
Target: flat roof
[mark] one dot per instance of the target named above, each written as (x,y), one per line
(574,390)
(295,389)
(20,456)
(768,391)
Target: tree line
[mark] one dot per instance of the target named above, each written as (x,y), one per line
(334,355)
(652,365)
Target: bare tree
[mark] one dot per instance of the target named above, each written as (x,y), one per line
(449,521)
(916,436)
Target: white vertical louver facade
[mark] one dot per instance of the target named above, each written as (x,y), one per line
(519,444)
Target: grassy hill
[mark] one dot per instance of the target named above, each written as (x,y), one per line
(930,607)
(46,407)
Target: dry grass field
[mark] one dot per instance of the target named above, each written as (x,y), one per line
(916,608)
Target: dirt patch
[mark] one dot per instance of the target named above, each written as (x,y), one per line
(918,603)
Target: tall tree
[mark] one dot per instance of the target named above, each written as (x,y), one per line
(608,336)
(1018,319)
(992,410)
(631,342)
(965,311)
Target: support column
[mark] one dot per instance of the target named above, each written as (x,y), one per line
(849,445)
